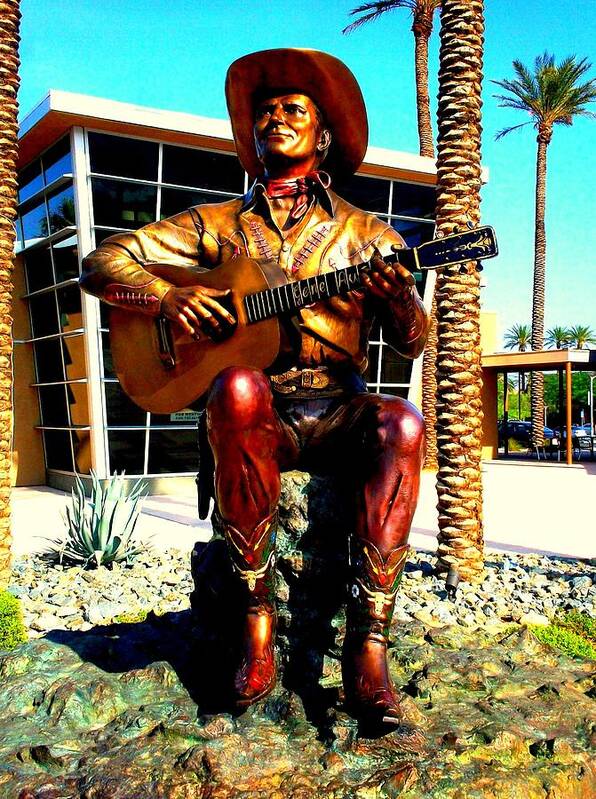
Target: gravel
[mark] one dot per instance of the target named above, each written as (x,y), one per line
(530,589)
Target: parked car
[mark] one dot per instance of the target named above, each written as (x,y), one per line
(577,431)
(520,431)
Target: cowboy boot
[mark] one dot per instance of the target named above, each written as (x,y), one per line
(370,694)
(253,559)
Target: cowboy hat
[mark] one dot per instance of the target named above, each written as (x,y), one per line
(321,77)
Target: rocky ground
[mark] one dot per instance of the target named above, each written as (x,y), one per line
(516,588)
(100,707)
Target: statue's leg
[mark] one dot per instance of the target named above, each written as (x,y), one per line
(249,444)
(390,434)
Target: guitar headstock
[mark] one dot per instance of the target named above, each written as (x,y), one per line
(458,248)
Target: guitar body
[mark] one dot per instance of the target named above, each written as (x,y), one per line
(164,384)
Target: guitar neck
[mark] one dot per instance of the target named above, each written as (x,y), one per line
(290,297)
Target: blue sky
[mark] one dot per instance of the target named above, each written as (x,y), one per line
(174,55)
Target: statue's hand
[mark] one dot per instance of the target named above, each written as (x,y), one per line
(388,281)
(196,310)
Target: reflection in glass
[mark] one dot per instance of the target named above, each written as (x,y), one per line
(172,451)
(123,157)
(127,449)
(120,204)
(38,268)
(61,209)
(77,403)
(73,348)
(57,445)
(396,391)
(414,233)
(108,365)
(66,259)
(183,166)
(48,361)
(57,161)
(52,401)
(44,314)
(69,307)
(120,409)
(30,180)
(35,224)
(410,199)
(173,201)
(395,368)
(370,194)
(101,235)
(370,374)
(81,441)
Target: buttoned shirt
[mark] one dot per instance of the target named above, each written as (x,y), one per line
(330,236)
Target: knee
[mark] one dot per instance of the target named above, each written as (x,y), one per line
(400,425)
(239,393)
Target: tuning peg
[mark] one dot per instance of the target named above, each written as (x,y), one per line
(463,270)
(479,266)
(470,225)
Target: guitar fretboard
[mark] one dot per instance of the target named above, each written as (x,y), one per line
(292,296)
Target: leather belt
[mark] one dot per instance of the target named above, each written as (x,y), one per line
(304,380)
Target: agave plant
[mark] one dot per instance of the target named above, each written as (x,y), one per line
(100,529)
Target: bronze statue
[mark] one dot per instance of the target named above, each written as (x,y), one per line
(299,120)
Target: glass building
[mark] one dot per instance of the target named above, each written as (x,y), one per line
(91,168)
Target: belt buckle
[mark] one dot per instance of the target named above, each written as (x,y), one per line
(307,377)
(313,378)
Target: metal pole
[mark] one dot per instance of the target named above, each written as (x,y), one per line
(592,404)
(568,408)
(505,416)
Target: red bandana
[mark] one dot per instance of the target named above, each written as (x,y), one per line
(301,188)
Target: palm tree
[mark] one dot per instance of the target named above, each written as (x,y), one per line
(422,13)
(557,338)
(459,372)
(518,338)
(9,83)
(581,335)
(552,95)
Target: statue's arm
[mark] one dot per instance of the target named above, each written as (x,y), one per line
(115,270)
(397,302)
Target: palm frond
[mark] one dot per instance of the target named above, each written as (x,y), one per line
(505,131)
(372,11)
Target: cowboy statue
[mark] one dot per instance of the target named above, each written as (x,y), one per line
(299,121)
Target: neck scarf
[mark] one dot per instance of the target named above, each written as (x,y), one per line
(301,188)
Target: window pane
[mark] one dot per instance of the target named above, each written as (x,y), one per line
(61,209)
(120,409)
(30,180)
(414,233)
(52,401)
(175,200)
(371,194)
(69,308)
(395,368)
(187,416)
(74,357)
(412,200)
(108,365)
(185,167)
(57,161)
(48,360)
(35,224)
(38,268)
(373,360)
(396,391)
(57,448)
(127,450)
(123,157)
(44,315)
(66,259)
(126,205)
(172,451)
(77,403)
(101,234)
(81,440)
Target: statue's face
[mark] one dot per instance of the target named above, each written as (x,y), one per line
(288,135)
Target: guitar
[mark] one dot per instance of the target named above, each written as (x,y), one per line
(163,369)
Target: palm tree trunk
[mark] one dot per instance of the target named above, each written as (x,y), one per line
(537,381)
(459,406)
(9,83)
(422,29)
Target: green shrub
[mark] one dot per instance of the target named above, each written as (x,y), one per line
(12,629)
(100,529)
(579,623)
(568,639)
(131,617)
